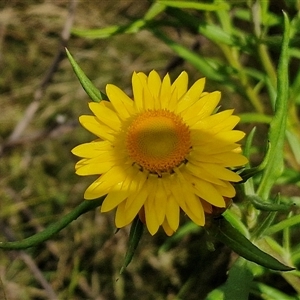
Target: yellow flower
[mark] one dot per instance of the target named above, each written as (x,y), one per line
(163,151)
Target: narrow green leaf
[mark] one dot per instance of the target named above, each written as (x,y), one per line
(106,32)
(294,220)
(155,9)
(99,33)
(195,5)
(249,142)
(248,173)
(196,60)
(223,231)
(54,228)
(213,32)
(248,185)
(267,219)
(277,130)
(87,85)
(255,118)
(236,222)
(260,204)
(136,232)
(269,292)
(132,27)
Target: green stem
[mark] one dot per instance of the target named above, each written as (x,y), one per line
(295,220)
(54,228)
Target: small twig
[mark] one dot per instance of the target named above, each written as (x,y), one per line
(39,93)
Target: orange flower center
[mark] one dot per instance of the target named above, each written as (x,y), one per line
(158,140)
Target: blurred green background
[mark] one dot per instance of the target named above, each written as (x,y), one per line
(39,127)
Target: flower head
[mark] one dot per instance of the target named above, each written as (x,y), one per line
(163,151)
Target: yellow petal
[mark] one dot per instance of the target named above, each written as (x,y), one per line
(195,167)
(165,92)
(93,149)
(226,191)
(93,125)
(225,159)
(193,207)
(168,230)
(200,137)
(172,213)
(138,92)
(191,96)
(150,215)
(105,115)
(120,219)
(214,170)
(228,124)
(181,84)
(208,192)
(143,77)
(230,159)
(140,179)
(195,210)
(96,190)
(196,219)
(230,136)
(215,125)
(120,191)
(136,203)
(212,120)
(160,201)
(174,186)
(148,99)
(203,108)
(105,182)
(122,104)
(93,169)
(154,85)
(117,194)
(213,147)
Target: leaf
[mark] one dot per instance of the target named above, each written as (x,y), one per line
(239,281)
(136,232)
(222,230)
(87,85)
(270,292)
(260,204)
(195,5)
(255,118)
(248,173)
(199,62)
(132,27)
(291,221)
